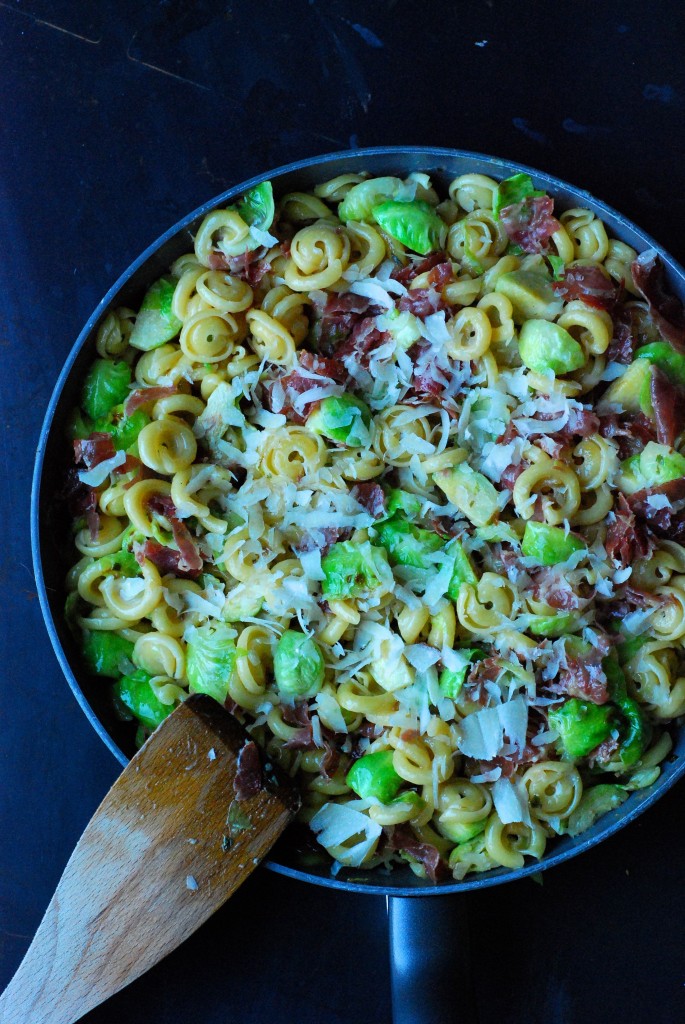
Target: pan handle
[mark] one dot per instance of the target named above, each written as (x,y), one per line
(430,961)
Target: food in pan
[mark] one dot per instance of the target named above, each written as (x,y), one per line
(396,476)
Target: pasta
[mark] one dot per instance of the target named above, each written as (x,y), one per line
(393,478)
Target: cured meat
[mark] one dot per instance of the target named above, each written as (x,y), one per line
(631,431)
(627,541)
(422,302)
(666,308)
(624,339)
(406,275)
(167,560)
(555,590)
(402,839)
(584,678)
(365,337)
(590,284)
(321,540)
(343,310)
(530,223)
(190,560)
(141,396)
(665,520)
(93,450)
(669,407)
(371,496)
(248,779)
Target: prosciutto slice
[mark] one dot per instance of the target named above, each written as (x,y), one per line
(669,407)
(590,284)
(666,308)
(627,541)
(402,838)
(530,223)
(141,396)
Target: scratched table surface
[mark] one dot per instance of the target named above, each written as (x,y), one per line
(117,118)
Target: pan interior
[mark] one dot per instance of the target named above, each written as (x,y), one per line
(49,523)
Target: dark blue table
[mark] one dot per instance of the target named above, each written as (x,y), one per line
(116,119)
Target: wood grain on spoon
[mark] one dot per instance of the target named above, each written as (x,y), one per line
(167,846)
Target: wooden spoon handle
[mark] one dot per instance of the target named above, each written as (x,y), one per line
(167,846)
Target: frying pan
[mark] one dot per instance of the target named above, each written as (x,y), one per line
(428,937)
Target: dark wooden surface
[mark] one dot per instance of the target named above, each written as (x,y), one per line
(116,119)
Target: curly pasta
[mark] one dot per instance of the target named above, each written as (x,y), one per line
(324,476)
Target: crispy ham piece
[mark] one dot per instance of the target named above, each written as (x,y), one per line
(666,308)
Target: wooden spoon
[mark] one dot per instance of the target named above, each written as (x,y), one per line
(166,847)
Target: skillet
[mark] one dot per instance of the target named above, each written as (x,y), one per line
(428,932)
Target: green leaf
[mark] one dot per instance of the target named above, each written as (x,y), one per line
(373,775)
(513,190)
(298,665)
(257,206)
(134,692)
(414,224)
(106,385)
(106,652)
(210,660)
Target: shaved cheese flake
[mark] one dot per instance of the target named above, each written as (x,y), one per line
(421,656)
(330,712)
(377,291)
(513,716)
(481,734)
(129,588)
(350,836)
(655,501)
(98,474)
(490,776)
(511,802)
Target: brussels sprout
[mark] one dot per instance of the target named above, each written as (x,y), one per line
(124,429)
(257,206)
(631,391)
(121,562)
(531,295)
(460,831)
(135,694)
(470,491)
(656,464)
(513,190)
(414,224)
(156,323)
(106,385)
(498,533)
(373,775)
(404,327)
(463,571)
(210,660)
(659,464)
(243,601)
(106,653)
(558,266)
(343,418)
(627,649)
(298,666)
(404,502)
(452,680)
(549,545)
(553,625)
(582,726)
(634,728)
(407,544)
(544,346)
(663,355)
(593,804)
(351,570)
(361,199)
(78,428)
